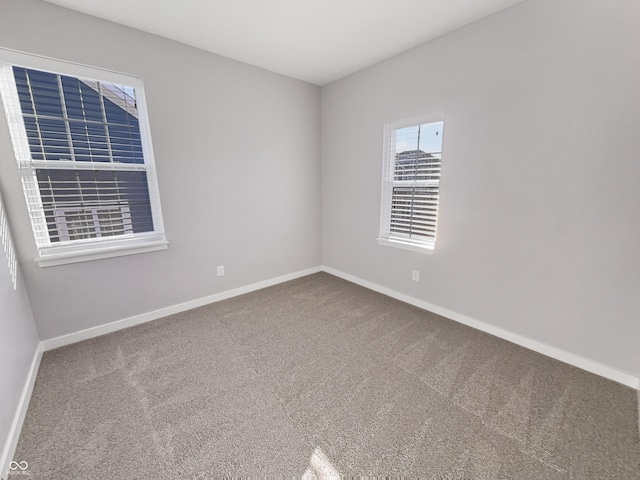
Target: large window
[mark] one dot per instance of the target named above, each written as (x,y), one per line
(83,148)
(411,182)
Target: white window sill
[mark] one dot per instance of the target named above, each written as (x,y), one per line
(100,252)
(406,246)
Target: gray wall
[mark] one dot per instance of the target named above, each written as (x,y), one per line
(237,153)
(18,344)
(539,225)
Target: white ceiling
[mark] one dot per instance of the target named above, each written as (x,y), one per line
(313,40)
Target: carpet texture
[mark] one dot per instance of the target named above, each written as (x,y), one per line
(320,377)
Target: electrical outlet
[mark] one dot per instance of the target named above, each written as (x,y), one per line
(415,276)
(221,271)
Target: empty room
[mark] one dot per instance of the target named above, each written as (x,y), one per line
(304,239)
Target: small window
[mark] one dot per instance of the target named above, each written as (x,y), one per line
(411,182)
(82,143)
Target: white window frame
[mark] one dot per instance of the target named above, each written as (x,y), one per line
(63,252)
(386,237)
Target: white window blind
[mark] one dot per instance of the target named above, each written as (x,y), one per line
(7,245)
(83,149)
(412,166)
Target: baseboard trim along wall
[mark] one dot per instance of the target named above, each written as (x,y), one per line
(88,333)
(21,412)
(553,352)
(558,354)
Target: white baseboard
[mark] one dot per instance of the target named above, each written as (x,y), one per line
(21,412)
(553,352)
(75,337)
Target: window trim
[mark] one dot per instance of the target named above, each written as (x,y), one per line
(64,252)
(388,154)
(413,247)
(106,250)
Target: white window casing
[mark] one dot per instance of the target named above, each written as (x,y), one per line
(90,183)
(412,163)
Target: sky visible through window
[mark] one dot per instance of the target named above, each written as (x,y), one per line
(430,140)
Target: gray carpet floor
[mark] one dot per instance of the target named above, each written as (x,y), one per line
(320,377)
